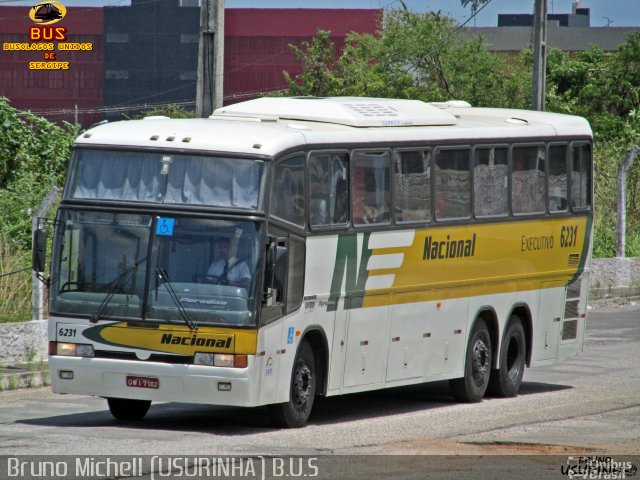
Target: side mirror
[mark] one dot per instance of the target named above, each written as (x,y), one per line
(39,252)
(276,271)
(280,267)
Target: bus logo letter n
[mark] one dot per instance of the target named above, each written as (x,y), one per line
(347,260)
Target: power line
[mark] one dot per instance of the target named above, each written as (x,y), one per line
(142,106)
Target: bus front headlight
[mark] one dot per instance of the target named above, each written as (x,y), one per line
(74,349)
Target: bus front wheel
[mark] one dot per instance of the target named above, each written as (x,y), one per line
(126,409)
(506,381)
(477,370)
(295,412)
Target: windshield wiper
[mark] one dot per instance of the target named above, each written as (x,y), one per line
(164,276)
(116,284)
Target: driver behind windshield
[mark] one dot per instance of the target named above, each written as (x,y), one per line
(227,269)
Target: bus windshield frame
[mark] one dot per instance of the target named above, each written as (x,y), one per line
(165,177)
(130,266)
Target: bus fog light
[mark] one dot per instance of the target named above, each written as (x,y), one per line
(66,374)
(66,349)
(223,360)
(83,350)
(201,358)
(224,386)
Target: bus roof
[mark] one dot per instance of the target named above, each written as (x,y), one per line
(268,126)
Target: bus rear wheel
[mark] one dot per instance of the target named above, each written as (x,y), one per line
(506,381)
(127,409)
(295,412)
(477,370)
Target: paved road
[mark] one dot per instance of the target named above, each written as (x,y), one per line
(589,404)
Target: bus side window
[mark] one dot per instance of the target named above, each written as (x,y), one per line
(581,176)
(412,186)
(371,188)
(527,180)
(558,178)
(328,189)
(453,184)
(287,194)
(490,181)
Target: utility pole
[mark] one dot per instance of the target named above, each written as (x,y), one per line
(539,54)
(210,58)
(621,228)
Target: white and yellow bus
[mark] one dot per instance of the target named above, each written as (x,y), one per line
(286,248)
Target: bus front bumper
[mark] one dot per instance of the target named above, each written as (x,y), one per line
(154,381)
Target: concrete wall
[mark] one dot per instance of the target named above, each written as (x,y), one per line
(610,278)
(614,277)
(22,342)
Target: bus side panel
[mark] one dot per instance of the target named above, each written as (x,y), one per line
(367,333)
(449,325)
(337,347)
(268,363)
(548,321)
(571,339)
(410,347)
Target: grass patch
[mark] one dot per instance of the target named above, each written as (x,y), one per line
(15,289)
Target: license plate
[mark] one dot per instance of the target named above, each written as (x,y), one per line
(142,382)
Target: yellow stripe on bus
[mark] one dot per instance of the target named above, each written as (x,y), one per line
(178,339)
(487,258)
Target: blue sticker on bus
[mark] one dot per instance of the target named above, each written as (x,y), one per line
(290,335)
(164,226)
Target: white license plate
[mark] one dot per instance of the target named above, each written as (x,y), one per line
(142,382)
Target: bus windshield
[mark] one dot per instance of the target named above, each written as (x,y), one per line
(169,178)
(143,267)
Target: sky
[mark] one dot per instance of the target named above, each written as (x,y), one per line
(615,13)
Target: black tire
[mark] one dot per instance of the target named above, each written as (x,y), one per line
(506,380)
(477,369)
(295,412)
(126,409)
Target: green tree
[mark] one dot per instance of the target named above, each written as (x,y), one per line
(414,55)
(33,159)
